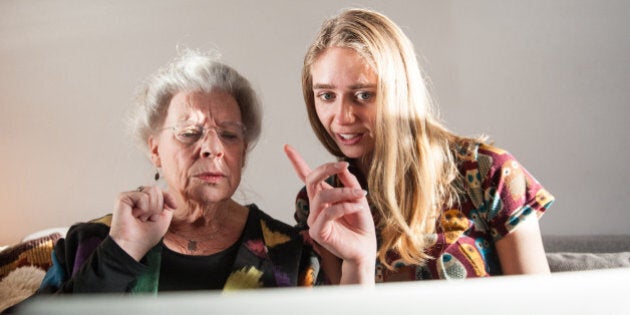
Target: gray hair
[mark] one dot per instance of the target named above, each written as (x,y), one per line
(192,71)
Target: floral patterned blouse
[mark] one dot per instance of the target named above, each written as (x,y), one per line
(498,194)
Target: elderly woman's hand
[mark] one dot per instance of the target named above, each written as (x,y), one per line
(141,218)
(339,219)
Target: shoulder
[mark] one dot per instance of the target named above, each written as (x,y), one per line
(80,241)
(93,230)
(500,165)
(483,161)
(479,152)
(93,226)
(494,156)
(487,165)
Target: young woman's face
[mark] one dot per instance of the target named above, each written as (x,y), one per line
(202,148)
(344,86)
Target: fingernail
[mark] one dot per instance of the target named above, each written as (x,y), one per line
(360,192)
(340,165)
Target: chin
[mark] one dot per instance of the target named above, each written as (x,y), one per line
(354,153)
(211,194)
(351,155)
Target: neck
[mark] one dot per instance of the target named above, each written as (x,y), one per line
(364,164)
(204,231)
(197,215)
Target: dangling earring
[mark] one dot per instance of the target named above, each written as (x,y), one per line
(157,175)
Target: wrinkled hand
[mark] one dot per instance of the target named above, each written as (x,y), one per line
(141,218)
(339,219)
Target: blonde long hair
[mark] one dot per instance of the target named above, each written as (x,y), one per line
(412,168)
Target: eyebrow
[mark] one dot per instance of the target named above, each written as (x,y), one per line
(218,123)
(320,86)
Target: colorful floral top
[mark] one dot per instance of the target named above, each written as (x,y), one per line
(497,194)
(270,254)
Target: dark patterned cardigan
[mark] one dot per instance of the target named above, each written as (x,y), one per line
(271,254)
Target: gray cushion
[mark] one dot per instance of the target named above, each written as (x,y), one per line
(587,261)
(586,243)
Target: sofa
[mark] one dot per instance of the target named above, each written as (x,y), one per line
(586,252)
(22,266)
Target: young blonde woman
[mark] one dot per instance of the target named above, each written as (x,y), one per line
(408,199)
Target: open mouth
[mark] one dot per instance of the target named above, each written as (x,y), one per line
(349,138)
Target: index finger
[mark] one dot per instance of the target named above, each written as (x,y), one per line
(299,165)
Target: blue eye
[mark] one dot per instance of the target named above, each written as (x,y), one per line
(364,96)
(326,96)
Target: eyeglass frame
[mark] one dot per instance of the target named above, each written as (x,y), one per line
(204,132)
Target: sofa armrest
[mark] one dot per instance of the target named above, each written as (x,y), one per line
(587,261)
(586,243)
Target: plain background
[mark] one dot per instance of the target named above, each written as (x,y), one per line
(547,80)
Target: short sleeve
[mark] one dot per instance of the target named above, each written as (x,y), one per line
(510,193)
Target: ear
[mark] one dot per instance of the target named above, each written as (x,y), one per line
(154,152)
(244,154)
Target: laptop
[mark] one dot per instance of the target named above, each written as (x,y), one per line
(582,292)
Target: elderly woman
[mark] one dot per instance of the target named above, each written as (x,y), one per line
(198,118)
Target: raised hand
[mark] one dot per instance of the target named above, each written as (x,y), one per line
(141,218)
(339,219)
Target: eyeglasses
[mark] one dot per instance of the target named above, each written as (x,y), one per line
(228,133)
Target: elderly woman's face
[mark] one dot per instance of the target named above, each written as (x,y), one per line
(201,148)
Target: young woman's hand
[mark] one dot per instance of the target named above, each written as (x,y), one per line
(141,218)
(339,219)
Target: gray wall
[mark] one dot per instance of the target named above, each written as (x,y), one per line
(547,80)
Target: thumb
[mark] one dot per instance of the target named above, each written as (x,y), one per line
(166,214)
(169,206)
(169,201)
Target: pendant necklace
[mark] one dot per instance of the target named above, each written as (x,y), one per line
(192,245)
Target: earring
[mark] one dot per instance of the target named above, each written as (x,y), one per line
(157,175)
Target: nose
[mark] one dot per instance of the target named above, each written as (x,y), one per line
(345,112)
(211,145)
